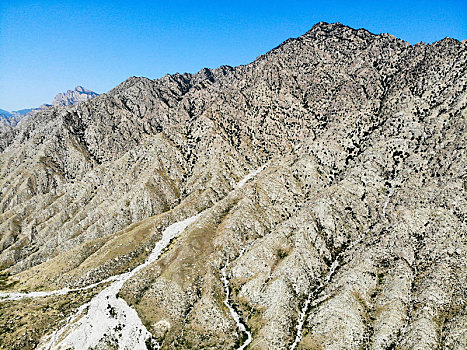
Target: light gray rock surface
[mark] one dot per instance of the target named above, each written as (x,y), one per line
(353,234)
(78,94)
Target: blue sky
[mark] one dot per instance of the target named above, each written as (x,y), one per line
(48,47)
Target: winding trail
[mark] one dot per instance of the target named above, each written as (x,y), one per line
(108,318)
(225,281)
(63,291)
(306,306)
(251,175)
(238,321)
(317,291)
(19,296)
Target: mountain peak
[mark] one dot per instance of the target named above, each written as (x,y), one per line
(81,89)
(70,97)
(327,28)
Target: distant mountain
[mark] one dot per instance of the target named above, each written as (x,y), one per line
(13,118)
(8,119)
(29,110)
(4,113)
(79,94)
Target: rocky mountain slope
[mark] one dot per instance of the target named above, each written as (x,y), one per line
(313,199)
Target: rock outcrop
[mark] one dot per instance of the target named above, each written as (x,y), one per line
(352,233)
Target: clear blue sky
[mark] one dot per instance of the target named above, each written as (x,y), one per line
(48,47)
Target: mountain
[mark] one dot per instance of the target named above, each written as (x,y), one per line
(4,113)
(29,110)
(312,199)
(79,94)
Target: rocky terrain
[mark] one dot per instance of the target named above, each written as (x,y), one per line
(312,199)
